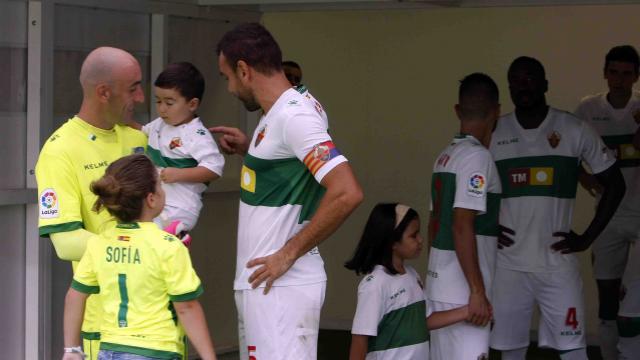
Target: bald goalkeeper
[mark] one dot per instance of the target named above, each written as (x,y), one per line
(79,152)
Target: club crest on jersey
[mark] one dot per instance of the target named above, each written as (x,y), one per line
(477,185)
(137,150)
(320,155)
(260,136)
(554,139)
(175,142)
(49,204)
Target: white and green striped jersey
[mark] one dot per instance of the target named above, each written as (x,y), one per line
(539,174)
(392,312)
(464,176)
(617,128)
(289,155)
(302,89)
(183,146)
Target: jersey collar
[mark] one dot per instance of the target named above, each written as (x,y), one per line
(95,131)
(462,137)
(135,225)
(128,226)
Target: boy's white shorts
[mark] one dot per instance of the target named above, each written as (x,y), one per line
(172,213)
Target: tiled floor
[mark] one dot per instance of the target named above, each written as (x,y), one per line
(334,345)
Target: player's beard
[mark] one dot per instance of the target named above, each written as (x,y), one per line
(249,101)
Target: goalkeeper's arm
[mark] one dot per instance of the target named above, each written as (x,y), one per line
(70,245)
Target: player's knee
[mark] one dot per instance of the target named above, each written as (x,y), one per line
(608,311)
(609,298)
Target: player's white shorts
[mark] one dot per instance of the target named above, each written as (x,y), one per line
(172,213)
(559,296)
(460,341)
(282,325)
(611,248)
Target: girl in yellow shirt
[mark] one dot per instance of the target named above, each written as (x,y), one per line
(144,276)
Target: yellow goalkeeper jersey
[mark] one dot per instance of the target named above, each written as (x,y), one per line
(75,155)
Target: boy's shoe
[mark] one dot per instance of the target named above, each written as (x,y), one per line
(177,229)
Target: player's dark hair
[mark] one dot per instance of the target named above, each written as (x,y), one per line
(253,44)
(533,63)
(293,79)
(623,53)
(478,95)
(184,77)
(124,186)
(291,63)
(379,235)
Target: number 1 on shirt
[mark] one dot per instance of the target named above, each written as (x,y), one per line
(124,300)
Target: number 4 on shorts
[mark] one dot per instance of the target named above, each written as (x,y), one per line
(572,319)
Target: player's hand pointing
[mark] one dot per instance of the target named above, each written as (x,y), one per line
(232,141)
(570,243)
(504,240)
(273,266)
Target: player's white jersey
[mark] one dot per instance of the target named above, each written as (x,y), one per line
(464,176)
(539,174)
(302,89)
(288,157)
(183,146)
(392,312)
(617,128)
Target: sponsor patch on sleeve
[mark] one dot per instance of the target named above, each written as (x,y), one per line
(477,185)
(49,204)
(320,155)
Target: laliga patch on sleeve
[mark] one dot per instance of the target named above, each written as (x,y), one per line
(477,185)
(49,204)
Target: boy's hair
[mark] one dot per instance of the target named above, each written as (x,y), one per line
(622,53)
(379,235)
(291,63)
(124,186)
(253,44)
(478,95)
(184,77)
